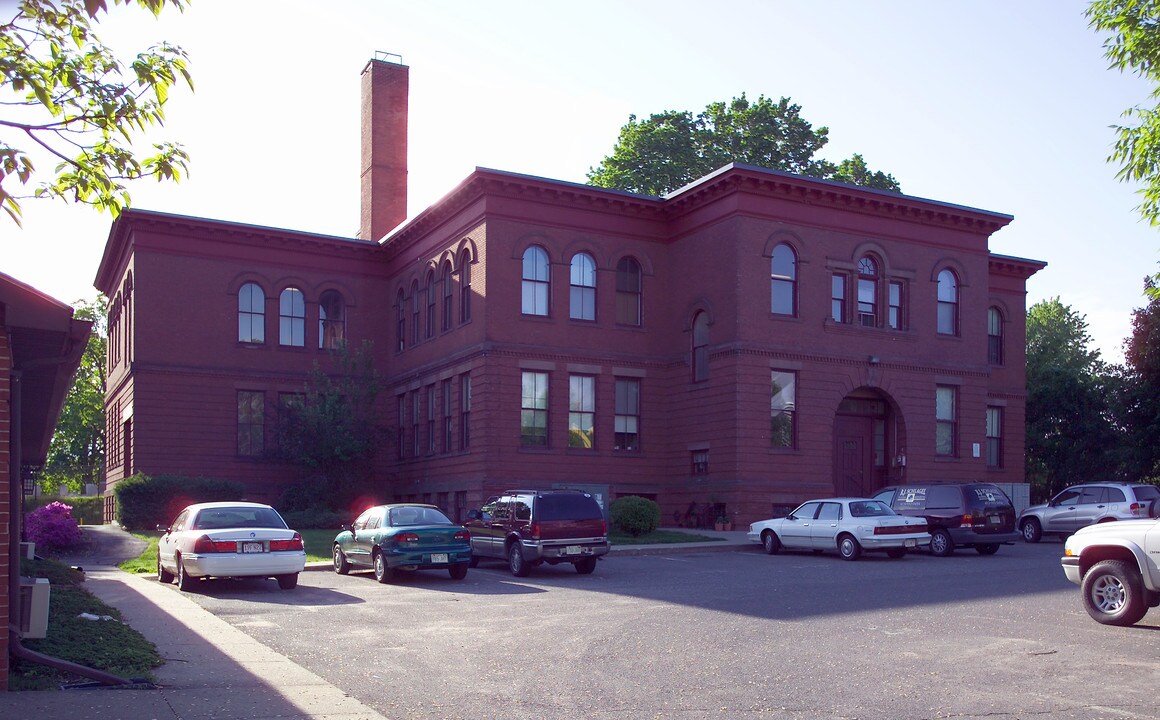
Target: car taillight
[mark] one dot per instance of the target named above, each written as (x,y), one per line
(899,529)
(406,538)
(294,543)
(535,531)
(205,544)
(967,522)
(1139,509)
(462,535)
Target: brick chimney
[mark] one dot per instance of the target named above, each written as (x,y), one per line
(384,145)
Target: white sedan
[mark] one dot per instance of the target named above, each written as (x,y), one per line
(849,525)
(229,539)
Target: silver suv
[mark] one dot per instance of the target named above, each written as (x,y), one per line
(1082,505)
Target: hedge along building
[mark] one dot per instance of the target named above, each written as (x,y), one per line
(742,343)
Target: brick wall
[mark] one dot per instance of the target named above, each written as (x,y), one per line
(5,493)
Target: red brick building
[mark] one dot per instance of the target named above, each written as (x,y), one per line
(745,342)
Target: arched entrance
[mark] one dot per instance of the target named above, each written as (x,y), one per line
(868,434)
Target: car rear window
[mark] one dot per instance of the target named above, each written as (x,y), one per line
(934,497)
(568,507)
(1146,492)
(985,496)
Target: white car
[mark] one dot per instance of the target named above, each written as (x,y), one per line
(229,539)
(1116,566)
(849,525)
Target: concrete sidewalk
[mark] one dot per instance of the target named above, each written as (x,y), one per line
(213,671)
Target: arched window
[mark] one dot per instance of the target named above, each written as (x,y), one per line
(867,292)
(628,291)
(583,287)
(416,302)
(292,318)
(331,320)
(700,347)
(448,294)
(535,285)
(401,320)
(251,314)
(948,303)
(783,281)
(464,287)
(994,336)
(430,303)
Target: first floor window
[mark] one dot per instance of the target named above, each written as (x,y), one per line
(994,437)
(700,460)
(447,438)
(944,416)
(581,411)
(431,411)
(415,439)
(400,437)
(251,422)
(534,409)
(626,428)
(464,411)
(782,408)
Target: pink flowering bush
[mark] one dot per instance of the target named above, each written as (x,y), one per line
(52,526)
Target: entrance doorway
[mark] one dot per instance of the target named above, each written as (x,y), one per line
(865,441)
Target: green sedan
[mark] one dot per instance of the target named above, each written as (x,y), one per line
(402,536)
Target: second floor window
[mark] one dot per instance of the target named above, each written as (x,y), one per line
(534,409)
(465,288)
(292,318)
(868,292)
(534,296)
(628,292)
(431,292)
(783,281)
(416,302)
(582,296)
(994,336)
(894,314)
(331,320)
(948,303)
(448,294)
(838,297)
(700,347)
(251,314)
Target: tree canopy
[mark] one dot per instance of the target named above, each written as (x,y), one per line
(673,148)
(1139,405)
(65,96)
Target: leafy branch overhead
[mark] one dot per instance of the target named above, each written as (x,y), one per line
(673,148)
(66,97)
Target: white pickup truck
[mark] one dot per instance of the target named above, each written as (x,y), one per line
(1116,566)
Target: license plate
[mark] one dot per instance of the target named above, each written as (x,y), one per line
(252,547)
(994,520)
(438,557)
(573,550)
(908,543)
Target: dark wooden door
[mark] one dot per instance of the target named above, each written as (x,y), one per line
(853,459)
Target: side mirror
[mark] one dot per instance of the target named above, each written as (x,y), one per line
(163,528)
(474,515)
(346,528)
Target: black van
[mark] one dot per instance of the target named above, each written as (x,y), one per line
(978,515)
(530,527)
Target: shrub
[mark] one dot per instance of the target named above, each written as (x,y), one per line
(52,526)
(634,515)
(144,502)
(86,509)
(315,518)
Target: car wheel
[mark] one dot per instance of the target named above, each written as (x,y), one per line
(1113,593)
(849,547)
(474,560)
(1032,530)
(287,582)
(383,573)
(163,575)
(987,548)
(516,562)
(941,544)
(184,581)
(770,542)
(341,564)
(585,566)
(896,553)
(458,571)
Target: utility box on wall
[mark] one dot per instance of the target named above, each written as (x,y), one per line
(34,608)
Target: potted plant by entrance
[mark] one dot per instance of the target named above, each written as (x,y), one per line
(723,522)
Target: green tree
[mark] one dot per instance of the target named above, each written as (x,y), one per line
(1139,392)
(65,96)
(673,148)
(1070,434)
(1133,45)
(332,430)
(76,455)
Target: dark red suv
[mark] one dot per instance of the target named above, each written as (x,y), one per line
(530,527)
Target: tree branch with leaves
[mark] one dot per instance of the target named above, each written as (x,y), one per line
(67,97)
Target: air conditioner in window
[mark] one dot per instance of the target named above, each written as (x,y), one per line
(34,608)
(866,319)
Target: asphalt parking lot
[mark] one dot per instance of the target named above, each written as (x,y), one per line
(714,634)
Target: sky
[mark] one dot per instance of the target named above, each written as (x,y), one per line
(998,105)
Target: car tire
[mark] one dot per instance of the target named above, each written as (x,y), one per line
(895,553)
(1113,593)
(458,571)
(287,582)
(585,566)
(987,548)
(341,564)
(516,562)
(184,581)
(163,575)
(849,548)
(941,544)
(383,573)
(474,560)
(1031,530)
(770,542)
